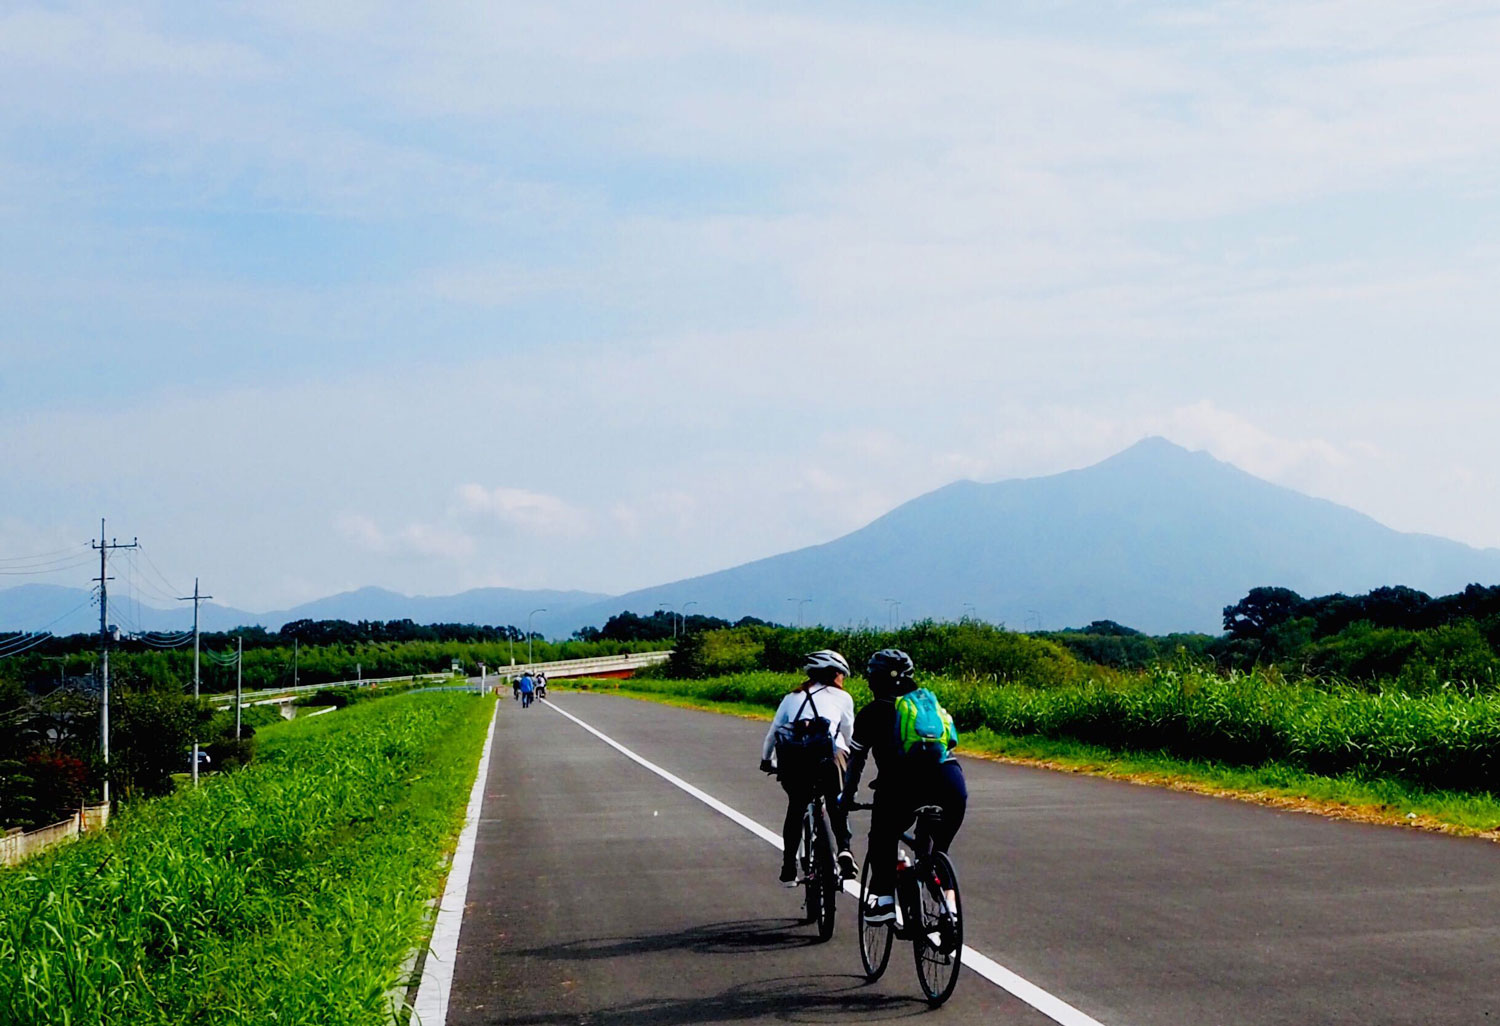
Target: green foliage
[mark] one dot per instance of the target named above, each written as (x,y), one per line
(966,649)
(1445,740)
(152,736)
(288,892)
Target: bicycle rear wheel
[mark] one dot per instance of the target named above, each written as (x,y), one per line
(826,870)
(874,938)
(938,939)
(812,899)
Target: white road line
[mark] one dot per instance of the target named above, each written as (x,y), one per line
(431,1006)
(1052,1007)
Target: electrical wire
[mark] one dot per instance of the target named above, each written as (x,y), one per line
(143,583)
(176,591)
(47,628)
(39,569)
(46,557)
(34,641)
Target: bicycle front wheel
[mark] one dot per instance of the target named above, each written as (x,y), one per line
(874,938)
(938,939)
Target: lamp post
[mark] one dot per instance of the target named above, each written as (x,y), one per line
(891,607)
(690,602)
(800,604)
(969,612)
(528,631)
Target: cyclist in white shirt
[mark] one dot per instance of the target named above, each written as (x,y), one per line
(821,696)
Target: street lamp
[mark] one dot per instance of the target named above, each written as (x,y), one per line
(891,605)
(528,632)
(800,604)
(690,602)
(969,612)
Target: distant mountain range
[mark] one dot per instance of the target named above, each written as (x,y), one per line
(72,610)
(1155,537)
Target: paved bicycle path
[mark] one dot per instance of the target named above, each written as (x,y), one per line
(603,894)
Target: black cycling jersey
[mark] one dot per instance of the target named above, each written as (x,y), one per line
(874,731)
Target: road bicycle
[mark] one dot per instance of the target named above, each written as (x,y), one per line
(929,912)
(821,880)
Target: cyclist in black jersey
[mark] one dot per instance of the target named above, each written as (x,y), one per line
(904,782)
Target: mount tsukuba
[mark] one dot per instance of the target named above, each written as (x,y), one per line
(1155,537)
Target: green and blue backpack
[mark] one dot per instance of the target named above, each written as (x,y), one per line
(924,730)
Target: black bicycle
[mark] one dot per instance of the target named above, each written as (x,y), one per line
(929,912)
(821,880)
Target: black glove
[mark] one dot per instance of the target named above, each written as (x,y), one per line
(766,766)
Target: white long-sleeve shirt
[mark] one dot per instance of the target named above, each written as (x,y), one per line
(834,704)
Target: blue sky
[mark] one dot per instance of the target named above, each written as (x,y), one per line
(584,295)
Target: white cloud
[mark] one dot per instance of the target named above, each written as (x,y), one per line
(531,512)
(411,541)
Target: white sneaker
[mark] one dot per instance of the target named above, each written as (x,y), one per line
(881,910)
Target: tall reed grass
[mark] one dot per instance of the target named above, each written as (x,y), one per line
(1444,739)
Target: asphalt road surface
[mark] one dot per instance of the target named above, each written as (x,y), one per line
(602,893)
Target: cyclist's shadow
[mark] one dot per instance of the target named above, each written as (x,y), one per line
(743,935)
(803,998)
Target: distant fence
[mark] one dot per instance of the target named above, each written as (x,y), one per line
(583,667)
(18,844)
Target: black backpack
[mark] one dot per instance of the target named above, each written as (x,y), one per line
(803,744)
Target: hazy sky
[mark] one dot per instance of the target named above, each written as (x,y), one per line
(598,295)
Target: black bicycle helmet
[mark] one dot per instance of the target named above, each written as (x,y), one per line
(889,671)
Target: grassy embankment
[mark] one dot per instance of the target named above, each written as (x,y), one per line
(1427,760)
(291,891)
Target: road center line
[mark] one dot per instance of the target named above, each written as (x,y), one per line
(1049,1005)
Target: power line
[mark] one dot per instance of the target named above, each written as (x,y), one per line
(46,557)
(32,571)
(172,589)
(32,642)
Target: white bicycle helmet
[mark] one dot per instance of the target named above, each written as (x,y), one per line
(825,662)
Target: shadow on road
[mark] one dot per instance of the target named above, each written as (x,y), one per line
(747,935)
(825,998)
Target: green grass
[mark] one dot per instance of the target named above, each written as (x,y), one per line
(1241,735)
(289,892)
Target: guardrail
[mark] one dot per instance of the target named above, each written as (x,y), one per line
(303,689)
(579,667)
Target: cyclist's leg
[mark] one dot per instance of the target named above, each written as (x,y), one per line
(833,787)
(791,826)
(890,816)
(952,793)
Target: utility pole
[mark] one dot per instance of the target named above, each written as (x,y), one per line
(239,683)
(104,639)
(195,598)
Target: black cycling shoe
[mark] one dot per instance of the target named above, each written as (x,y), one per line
(847,869)
(789,874)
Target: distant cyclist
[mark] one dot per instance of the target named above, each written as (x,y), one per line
(820,697)
(913,738)
(528,689)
